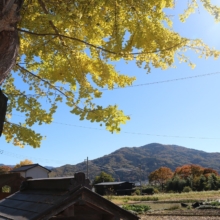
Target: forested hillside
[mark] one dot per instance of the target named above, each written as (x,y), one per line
(131,163)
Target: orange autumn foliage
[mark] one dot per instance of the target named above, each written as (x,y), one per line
(160,176)
(193,170)
(5,169)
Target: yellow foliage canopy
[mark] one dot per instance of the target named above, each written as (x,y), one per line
(66,54)
(22,163)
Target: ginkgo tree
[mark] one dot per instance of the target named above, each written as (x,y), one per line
(23,163)
(67,53)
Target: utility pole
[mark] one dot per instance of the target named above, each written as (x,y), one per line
(140,180)
(87,168)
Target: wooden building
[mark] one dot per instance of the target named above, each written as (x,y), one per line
(9,184)
(60,198)
(32,170)
(117,188)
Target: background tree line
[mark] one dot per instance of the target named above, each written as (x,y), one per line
(6,169)
(185,178)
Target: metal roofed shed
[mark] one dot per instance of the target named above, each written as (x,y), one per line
(60,198)
(32,170)
(117,188)
(109,183)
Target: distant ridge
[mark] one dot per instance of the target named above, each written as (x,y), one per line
(131,163)
(7,165)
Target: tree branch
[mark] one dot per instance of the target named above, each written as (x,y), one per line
(98,47)
(14,124)
(50,22)
(64,36)
(36,76)
(54,87)
(45,81)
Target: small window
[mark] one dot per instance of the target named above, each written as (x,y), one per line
(6,189)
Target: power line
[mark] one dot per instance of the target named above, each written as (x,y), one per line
(137,85)
(136,133)
(166,81)
(20,156)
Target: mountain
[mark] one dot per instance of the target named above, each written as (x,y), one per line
(7,165)
(133,163)
(49,167)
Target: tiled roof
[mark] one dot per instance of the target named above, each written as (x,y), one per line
(45,198)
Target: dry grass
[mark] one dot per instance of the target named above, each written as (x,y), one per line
(167,205)
(190,196)
(204,195)
(178,217)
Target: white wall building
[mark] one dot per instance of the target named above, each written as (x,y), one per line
(32,170)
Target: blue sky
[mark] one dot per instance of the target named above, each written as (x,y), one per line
(181,112)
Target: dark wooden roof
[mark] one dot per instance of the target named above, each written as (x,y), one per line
(28,167)
(46,198)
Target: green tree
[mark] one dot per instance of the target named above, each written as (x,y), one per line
(212,182)
(176,184)
(103,177)
(197,177)
(67,53)
(202,183)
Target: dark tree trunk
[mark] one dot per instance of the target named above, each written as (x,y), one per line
(3,108)
(9,41)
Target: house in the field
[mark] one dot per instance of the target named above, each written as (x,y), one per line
(32,170)
(60,198)
(9,184)
(117,188)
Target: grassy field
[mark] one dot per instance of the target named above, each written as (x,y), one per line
(167,197)
(168,205)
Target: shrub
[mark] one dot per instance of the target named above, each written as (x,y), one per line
(149,190)
(143,198)
(136,208)
(125,200)
(215,203)
(173,207)
(156,190)
(137,192)
(187,189)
